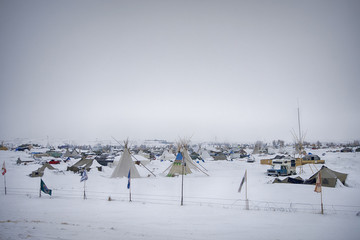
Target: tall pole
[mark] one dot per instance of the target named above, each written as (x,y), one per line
(322,206)
(84,190)
(40,188)
(300,140)
(246,198)
(182,182)
(5,183)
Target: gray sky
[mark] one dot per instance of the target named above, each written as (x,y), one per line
(230,70)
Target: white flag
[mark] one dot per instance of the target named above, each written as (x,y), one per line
(84,176)
(243,180)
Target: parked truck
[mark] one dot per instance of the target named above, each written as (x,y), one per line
(282,167)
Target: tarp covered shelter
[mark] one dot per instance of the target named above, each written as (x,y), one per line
(328,177)
(125,164)
(40,171)
(297,180)
(83,163)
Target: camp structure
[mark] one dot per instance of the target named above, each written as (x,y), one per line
(167,155)
(40,171)
(83,163)
(297,180)
(177,167)
(72,154)
(125,165)
(183,163)
(328,177)
(204,154)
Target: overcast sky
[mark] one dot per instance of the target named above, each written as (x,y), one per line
(225,70)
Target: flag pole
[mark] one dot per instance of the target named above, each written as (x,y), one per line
(40,188)
(246,198)
(5,183)
(129,184)
(322,206)
(182,182)
(84,190)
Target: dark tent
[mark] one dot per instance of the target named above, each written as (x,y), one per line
(297,180)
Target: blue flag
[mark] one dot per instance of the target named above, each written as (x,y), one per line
(44,188)
(129,180)
(84,176)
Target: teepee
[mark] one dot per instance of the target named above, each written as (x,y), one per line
(177,167)
(125,164)
(183,156)
(167,155)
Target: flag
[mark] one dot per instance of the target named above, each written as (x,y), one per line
(3,169)
(318,183)
(84,176)
(242,181)
(44,188)
(128,185)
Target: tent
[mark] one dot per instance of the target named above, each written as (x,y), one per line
(297,180)
(204,154)
(177,167)
(83,163)
(167,155)
(40,171)
(125,164)
(328,177)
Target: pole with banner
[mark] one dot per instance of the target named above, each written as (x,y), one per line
(318,189)
(129,185)
(84,177)
(3,171)
(244,180)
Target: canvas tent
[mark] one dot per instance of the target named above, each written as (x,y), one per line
(40,171)
(125,164)
(204,154)
(167,155)
(328,177)
(176,168)
(83,163)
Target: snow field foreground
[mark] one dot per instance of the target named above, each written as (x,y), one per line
(213,209)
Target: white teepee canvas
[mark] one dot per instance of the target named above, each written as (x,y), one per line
(125,164)
(167,155)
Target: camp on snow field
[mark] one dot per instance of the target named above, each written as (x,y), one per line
(213,208)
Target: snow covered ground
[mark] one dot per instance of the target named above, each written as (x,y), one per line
(213,209)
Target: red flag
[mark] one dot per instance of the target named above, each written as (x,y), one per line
(318,183)
(3,169)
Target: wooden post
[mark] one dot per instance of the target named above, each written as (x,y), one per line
(322,206)
(246,198)
(84,190)
(40,188)
(5,183)
(182,182)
